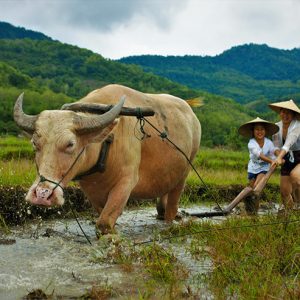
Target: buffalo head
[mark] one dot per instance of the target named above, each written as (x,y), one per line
(60,139)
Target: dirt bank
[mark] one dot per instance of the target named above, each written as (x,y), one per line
(15,211)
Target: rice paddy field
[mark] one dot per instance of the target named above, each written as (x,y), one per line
(218,166)
(234,257)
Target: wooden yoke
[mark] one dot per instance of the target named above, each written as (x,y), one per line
(94,108)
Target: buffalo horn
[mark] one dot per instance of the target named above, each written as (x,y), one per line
(25,122)
(88,124)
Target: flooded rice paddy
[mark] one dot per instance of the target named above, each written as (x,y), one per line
(55,257)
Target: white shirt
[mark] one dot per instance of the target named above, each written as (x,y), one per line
(292,139)
(294,144)
(256,164)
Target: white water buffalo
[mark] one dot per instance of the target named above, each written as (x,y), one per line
(68,144)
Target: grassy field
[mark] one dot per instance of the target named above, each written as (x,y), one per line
(215,166)
(253,258)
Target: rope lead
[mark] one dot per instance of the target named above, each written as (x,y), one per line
(164,135)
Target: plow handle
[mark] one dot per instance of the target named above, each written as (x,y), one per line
(244,193)
(260,186)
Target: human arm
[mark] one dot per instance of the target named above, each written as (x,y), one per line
(258,154)
(265,158)
(291,139)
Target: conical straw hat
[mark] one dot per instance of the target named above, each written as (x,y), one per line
(290,104)
(247,128)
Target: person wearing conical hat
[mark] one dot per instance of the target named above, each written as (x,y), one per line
(287,144)
(261,153)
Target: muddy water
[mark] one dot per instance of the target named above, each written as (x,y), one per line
(55,257)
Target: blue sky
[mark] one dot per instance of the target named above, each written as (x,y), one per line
(118,28)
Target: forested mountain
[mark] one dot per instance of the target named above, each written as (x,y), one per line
(8,31)
(75,71)
(248,73)
(52,73)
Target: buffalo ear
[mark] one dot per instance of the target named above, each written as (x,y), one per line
(97,137)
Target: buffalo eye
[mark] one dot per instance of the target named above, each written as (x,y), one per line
(35,145)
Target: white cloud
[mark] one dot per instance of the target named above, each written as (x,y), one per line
(117,28)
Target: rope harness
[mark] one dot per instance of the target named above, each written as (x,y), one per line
(57,184)
(100,165)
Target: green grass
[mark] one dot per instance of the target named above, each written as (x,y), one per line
(253,258)
(15,148)
(223,177)
(222,158)
(160,275)
(17,172)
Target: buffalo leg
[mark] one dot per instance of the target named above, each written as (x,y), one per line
(114,206)
(173,202)
(161,207)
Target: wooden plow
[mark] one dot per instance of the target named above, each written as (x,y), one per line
(244,193)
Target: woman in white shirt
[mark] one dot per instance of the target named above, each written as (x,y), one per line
(287,144)
(261,153)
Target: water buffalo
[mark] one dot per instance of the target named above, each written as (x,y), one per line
(68,144)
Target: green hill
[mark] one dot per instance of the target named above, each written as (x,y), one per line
(8,31)
(75,71)
(244,73)
(52,73)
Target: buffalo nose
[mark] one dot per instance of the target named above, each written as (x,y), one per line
(43,193)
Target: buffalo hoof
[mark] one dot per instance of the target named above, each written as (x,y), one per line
(160,217)
(103,229)
(178,217)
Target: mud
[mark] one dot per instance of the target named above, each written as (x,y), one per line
(54,259)
(53,256)
(46,254)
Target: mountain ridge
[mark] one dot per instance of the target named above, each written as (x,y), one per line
(245,73)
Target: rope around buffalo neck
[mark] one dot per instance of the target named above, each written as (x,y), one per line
(57,184)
